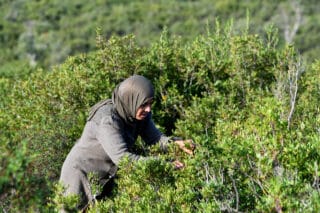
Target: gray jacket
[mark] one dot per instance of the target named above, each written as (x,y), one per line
(105,140)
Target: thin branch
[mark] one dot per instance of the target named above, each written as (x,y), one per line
(290,32)
(237,194)
(293,75)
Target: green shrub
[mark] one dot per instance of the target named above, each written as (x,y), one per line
(230,93)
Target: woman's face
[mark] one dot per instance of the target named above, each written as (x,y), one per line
(144,110)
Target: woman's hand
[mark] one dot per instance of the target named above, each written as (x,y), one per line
(177,164)
(186,145)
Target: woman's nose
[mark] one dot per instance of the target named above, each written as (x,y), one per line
(148,108)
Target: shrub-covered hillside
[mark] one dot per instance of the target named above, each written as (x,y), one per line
(45,32)
(252,109)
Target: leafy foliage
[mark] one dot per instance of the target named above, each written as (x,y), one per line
(231,93)
(44,33)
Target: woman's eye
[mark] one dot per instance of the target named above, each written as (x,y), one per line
(146,104)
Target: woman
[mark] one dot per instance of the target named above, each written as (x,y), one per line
(111,130)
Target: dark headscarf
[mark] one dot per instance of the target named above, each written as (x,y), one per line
(130,94)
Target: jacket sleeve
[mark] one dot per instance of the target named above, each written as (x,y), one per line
(151,134)
(113,143)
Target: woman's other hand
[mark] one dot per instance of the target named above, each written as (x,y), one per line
(186,145)
(177,164)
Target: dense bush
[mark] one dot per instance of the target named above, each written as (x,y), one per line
(251,109)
